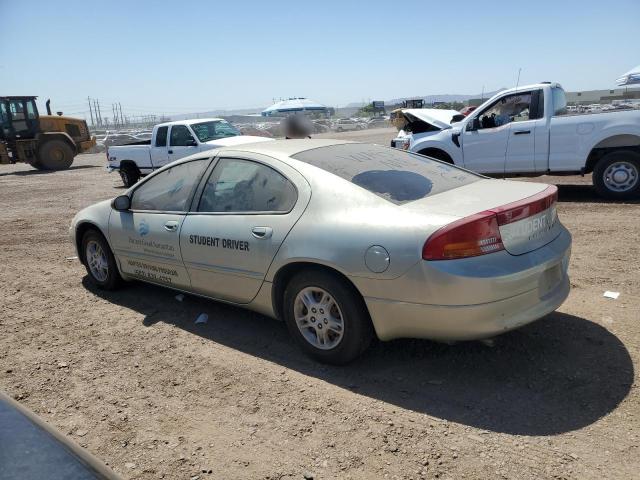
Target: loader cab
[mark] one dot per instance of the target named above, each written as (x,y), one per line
(19,118)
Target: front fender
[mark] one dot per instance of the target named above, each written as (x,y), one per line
(441,141)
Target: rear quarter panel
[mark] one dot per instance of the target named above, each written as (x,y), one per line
(573,137)
(342,221)
(140,154)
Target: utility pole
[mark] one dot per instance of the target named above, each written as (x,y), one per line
(99,114)
(95,109)
(91,112)
(121,117)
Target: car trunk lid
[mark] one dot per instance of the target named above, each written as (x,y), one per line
(525,212)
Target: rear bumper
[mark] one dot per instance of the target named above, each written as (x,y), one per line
(487,296)
(463,322)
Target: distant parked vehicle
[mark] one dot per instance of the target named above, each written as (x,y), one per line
(113,139)
(347,124)
(378,122)
(527,131)
(467,110)
(143,135)
(170,142)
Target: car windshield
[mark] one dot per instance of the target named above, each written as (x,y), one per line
(214,130)
(395,175)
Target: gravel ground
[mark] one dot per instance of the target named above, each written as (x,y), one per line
(129,376)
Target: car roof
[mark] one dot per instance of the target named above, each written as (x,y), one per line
(529,87)
(280,149)
(284,148)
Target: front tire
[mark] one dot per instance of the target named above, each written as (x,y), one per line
(617,175)
(327,317)
(99,261)
(54,155)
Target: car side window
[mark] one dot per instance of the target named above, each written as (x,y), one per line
(510,108)
(180,136)
(169,190)
(161,136)
(245,186)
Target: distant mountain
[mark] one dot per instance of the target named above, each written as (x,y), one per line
(218,113)
(445,97)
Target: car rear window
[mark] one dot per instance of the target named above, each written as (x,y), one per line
(395,175)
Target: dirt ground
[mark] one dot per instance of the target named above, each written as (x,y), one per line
(129,376)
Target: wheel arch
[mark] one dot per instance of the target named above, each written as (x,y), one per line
(82,228)
(437,153)
(48,136)
(129,163)
(286,273)
(612,143)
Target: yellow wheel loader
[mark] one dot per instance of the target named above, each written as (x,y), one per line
(48,142)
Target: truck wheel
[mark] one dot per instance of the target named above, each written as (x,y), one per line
(54,155)
(129,175)
(99,261)
(327,317)
(617,175)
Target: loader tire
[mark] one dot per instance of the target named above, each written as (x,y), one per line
(54,155)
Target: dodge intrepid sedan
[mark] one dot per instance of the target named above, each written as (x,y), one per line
(343,241)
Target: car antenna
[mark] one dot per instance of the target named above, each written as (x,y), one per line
(504,165)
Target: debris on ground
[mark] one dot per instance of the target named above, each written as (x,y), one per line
(609,294)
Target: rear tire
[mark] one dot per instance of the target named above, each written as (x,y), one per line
(54,155)
(327,317)
(99,261)
(617,175)
(129,175)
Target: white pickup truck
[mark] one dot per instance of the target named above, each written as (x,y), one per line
(172,141)
(527,132)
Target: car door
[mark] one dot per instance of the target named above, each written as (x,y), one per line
(487,134)
(159,149)
(146,238)
(245,209)
(521,144)
(181,143)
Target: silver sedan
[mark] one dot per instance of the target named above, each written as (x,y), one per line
(343,241)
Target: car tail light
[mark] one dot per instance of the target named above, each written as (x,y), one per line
(469,237)
(527,207)
(479,234)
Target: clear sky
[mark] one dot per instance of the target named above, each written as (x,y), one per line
(197,55)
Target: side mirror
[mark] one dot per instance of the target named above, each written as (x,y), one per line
(473,125)
(122,203)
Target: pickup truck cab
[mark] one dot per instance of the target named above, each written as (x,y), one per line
(170,142)
(527,131)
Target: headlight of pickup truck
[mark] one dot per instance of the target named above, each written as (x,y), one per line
(400,143)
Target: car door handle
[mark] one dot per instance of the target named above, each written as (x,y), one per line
(522,132)
(171,226)
(170,151)
(262,232)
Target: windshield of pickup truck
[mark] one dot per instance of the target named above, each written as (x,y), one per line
(214,130)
